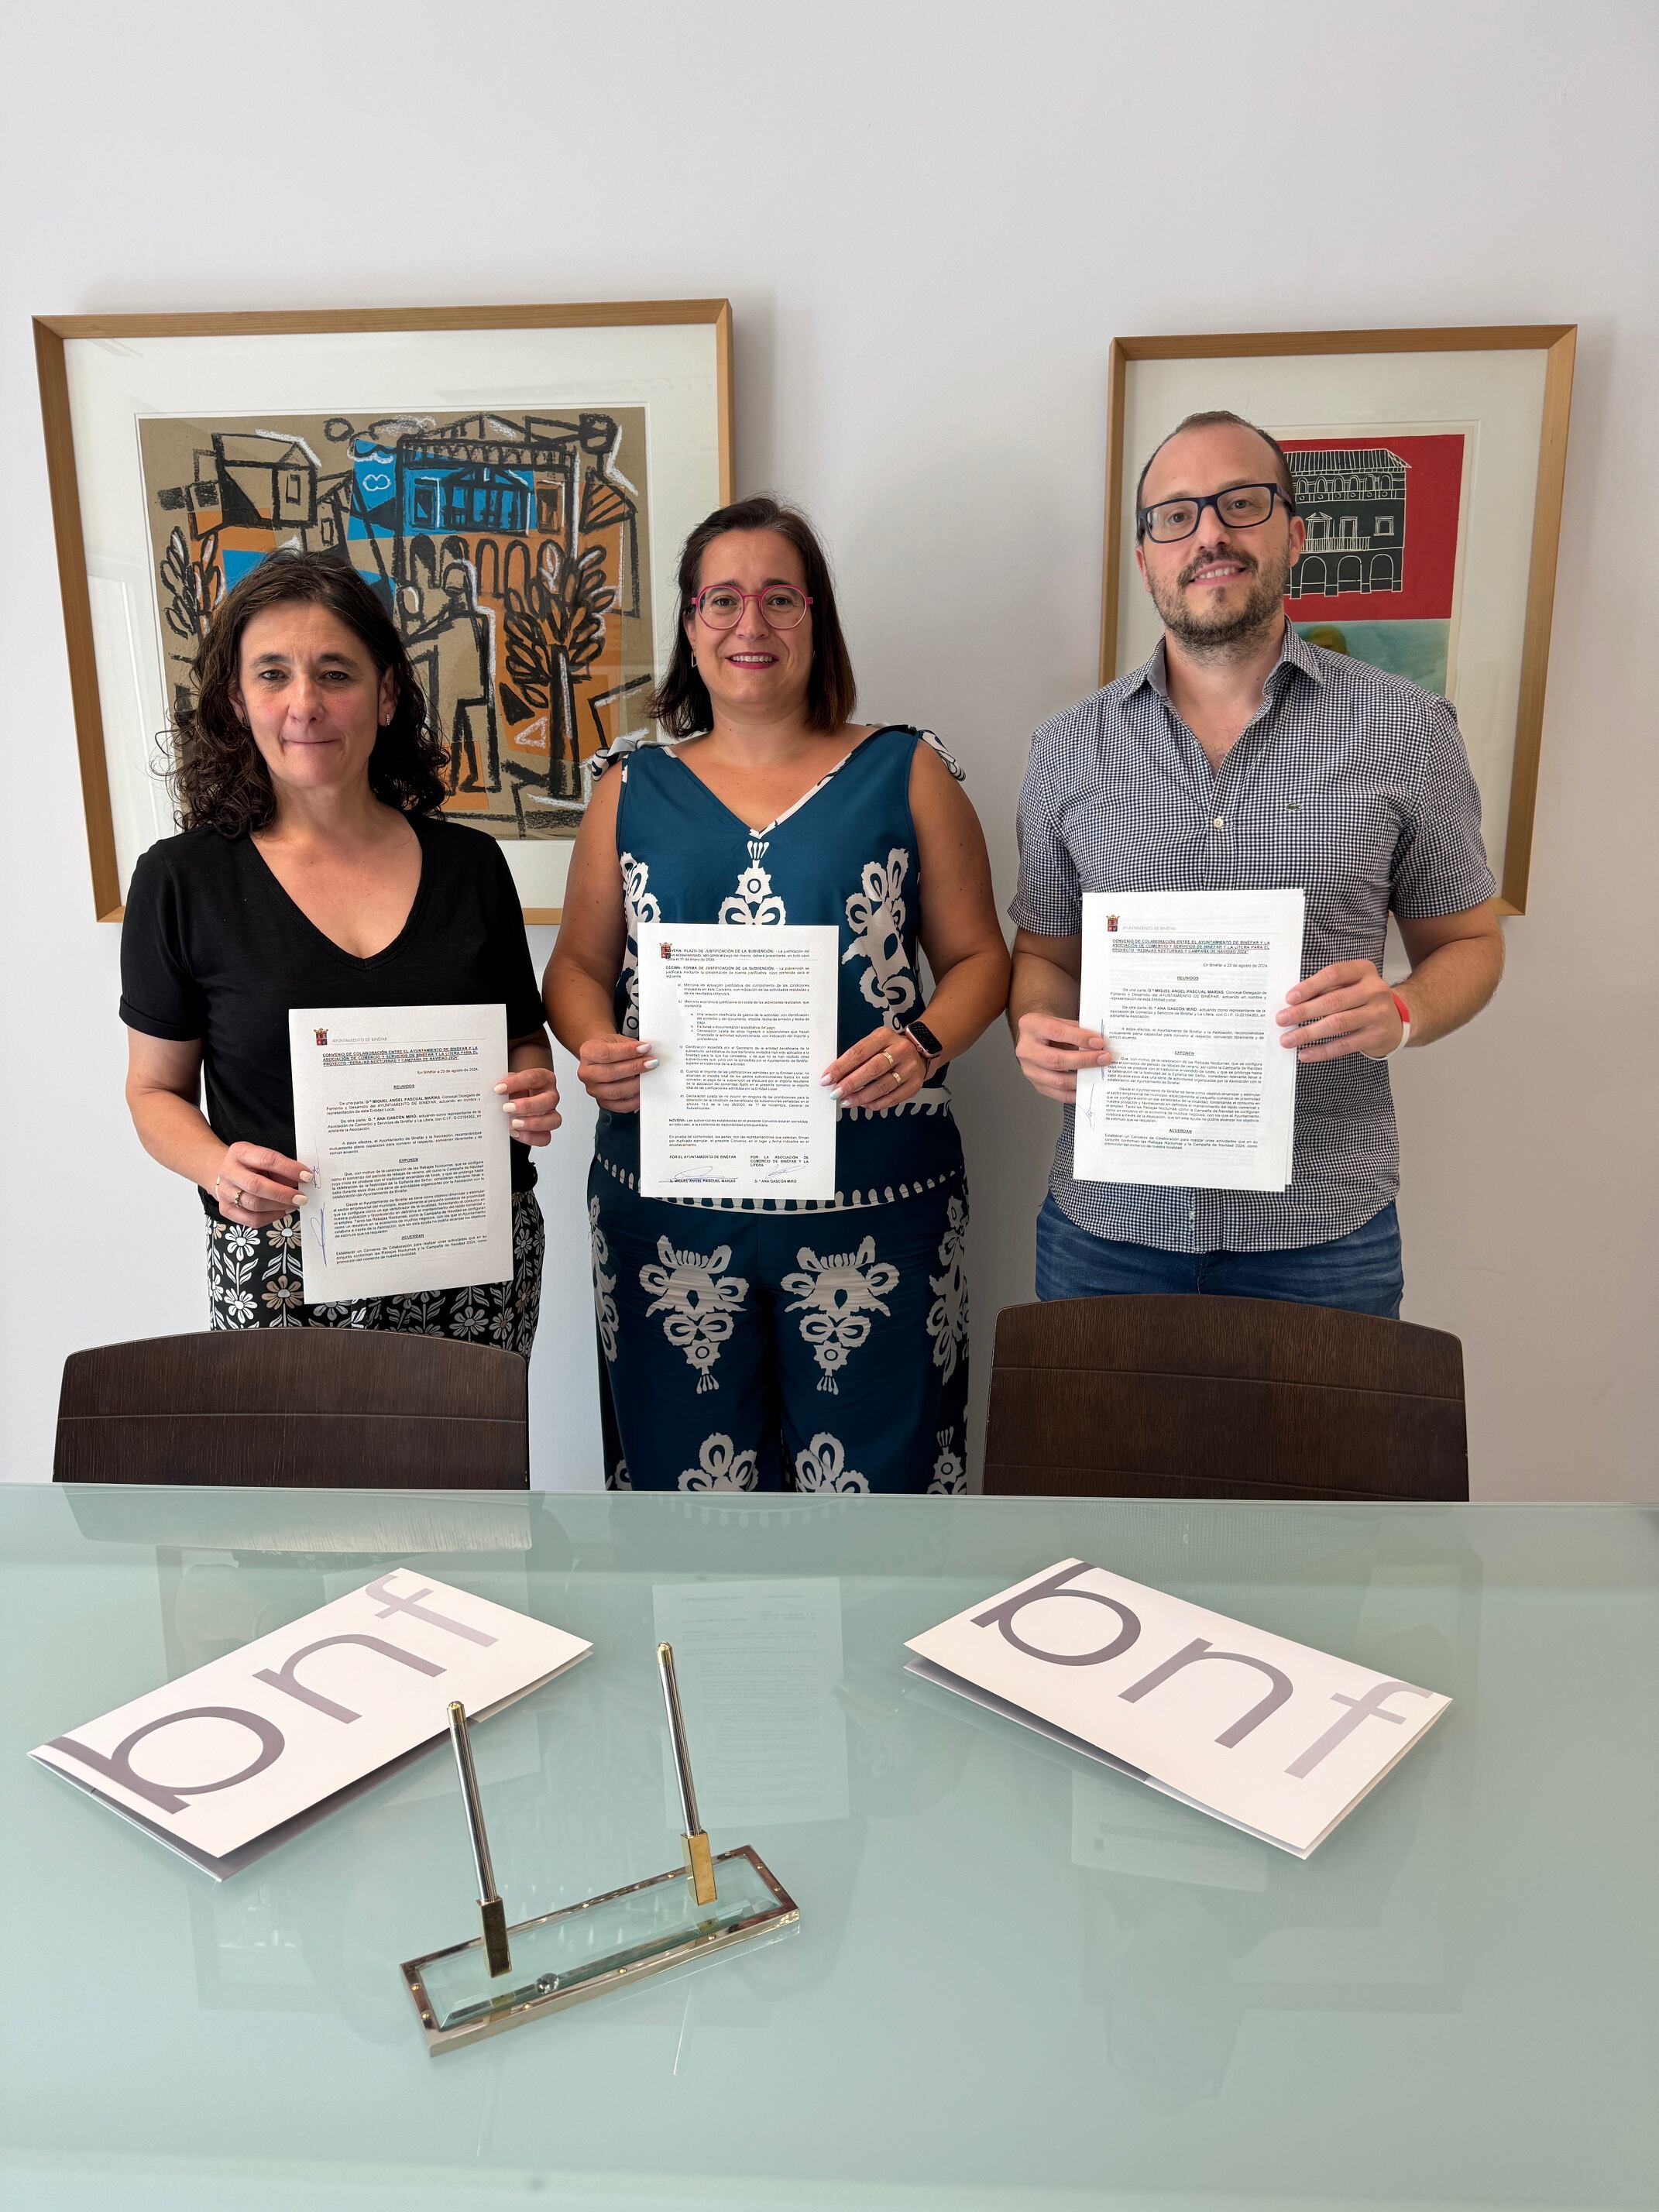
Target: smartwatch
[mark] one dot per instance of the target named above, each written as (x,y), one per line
(926,1043)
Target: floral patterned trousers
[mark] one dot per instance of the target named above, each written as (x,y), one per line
(254,1282)
(821,1351)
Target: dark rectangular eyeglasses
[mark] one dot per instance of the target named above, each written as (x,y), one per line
(1241,507)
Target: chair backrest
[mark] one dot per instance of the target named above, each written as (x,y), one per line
(1216,1397)
(312,1408)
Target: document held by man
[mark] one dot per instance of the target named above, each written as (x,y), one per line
(395,1112)
(742,1021)
(1184,986)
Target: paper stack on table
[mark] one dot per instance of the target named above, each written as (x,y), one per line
(1270,1736)
(230,1760)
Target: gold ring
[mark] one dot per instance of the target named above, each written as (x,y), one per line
(898,1078)
(889,1058)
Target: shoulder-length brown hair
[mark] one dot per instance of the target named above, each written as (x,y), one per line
(219,780)
(680,702)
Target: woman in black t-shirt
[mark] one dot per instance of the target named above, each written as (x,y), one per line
(313,870)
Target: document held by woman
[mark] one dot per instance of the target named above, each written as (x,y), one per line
(742,1021)
(1184,986)
(396,1114)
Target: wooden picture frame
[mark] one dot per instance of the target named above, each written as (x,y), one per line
(498,440)
(1484,412)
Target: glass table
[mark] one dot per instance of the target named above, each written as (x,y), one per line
(1019,1981)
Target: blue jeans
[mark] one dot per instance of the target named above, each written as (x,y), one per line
(1361,1271)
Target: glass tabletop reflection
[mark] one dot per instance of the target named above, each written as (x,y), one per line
(1019,1979)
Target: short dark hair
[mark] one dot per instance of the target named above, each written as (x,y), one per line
(1207,419)
(219,779)
(680,702)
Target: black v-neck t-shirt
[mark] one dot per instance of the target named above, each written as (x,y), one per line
(213,947)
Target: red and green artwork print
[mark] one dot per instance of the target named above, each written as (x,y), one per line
(1378,575)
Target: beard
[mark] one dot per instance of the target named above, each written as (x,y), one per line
(1223,632)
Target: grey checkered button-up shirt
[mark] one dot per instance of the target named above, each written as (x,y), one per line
(1349,783)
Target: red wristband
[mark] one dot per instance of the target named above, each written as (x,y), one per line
(1405,1014)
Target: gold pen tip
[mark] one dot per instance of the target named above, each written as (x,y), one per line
(664,1651)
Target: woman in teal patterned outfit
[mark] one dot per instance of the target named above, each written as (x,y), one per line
(780,1343)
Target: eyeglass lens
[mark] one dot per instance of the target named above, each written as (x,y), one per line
(1241,508)
(781,605)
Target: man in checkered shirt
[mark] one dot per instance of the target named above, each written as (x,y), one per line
(1240,757)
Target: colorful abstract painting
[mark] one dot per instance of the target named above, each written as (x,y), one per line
(510,547)
(1378,575)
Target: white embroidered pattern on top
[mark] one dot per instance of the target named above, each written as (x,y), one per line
(950,1476)
(605,1306)
(935,745)
(822,1466)
(876,916)
(837,1296)
(639,903)
(720,1468)
(947,1317)
(698,1300)
(754,904)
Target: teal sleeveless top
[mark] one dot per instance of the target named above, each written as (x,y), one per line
(845,854)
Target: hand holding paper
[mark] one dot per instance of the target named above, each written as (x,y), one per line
(1053,1052)
(530,1097)
(1345,1008)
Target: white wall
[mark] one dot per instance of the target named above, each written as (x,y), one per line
(930,220)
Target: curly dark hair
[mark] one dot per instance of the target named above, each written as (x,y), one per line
(680,702)
(218,779)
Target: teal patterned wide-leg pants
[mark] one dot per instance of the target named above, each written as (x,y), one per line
(781,1351)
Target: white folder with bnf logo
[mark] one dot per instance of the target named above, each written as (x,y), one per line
(228,1761)
(1272,1737)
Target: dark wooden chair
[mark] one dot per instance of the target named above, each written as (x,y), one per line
(1214,1397)
(293,1408)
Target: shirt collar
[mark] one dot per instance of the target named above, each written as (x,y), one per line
(1294,650)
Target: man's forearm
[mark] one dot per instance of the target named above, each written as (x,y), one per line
(1449,986)
(1038,987)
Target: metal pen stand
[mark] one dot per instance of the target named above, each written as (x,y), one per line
(505,1976)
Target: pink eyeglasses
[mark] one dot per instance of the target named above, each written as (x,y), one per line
(782,607)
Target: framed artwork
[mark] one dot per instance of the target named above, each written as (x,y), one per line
(1428,468)
(515,483)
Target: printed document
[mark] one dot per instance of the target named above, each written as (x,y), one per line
(742,1021)
(1184,986)
(395,1112)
